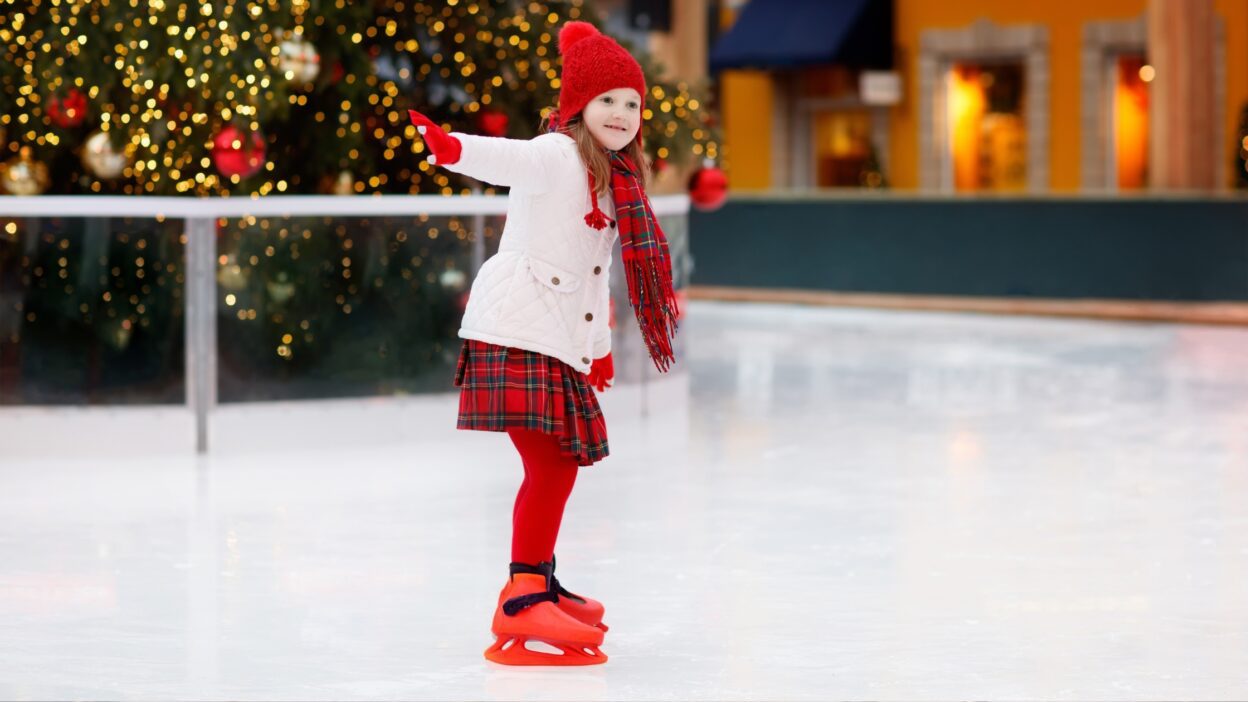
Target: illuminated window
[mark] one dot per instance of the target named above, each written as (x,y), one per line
(842,146)
(1132,75)
(987,132)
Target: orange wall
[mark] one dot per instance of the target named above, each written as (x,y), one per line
(745,108)
(1064,19)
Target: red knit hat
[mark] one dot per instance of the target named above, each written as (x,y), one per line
(593,63)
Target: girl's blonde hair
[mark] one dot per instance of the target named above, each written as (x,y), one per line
(595,157)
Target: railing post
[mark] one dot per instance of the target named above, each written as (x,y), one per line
(201,323)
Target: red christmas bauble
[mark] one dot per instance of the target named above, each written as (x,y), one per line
(234,155)
(708,188)
(68,111)
(493,122)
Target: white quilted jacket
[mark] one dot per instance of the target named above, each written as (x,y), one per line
(546,289)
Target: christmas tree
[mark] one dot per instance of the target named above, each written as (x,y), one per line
(269,97)
(173,97)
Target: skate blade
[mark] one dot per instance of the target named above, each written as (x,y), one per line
(511,650)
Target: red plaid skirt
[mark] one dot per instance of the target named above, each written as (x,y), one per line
(505,388)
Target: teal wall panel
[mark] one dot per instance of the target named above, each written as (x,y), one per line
(1128,248)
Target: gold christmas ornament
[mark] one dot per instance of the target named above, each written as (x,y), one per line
(119,335)
(231,276)
(280,292)
(101,159)
(282,289)
(298,59)
(23,175)
(345,185)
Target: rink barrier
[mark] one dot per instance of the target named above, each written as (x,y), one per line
(1116,248)
(1220,313)
(201,216)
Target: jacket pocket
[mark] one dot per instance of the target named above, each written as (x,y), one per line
(553,277)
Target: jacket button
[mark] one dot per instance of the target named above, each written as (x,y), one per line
(597,270)
(584,360)
(555,281)
(589,317)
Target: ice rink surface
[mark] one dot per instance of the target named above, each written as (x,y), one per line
(846,504)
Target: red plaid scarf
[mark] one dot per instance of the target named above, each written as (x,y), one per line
(647,262)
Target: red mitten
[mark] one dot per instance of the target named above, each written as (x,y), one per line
(446,148)
(602,373)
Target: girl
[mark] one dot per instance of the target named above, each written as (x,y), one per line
(536,336)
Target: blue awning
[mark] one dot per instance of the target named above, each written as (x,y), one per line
(796,33)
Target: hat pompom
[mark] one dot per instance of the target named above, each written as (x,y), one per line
(573,32)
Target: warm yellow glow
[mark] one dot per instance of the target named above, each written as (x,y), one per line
(966,111)
(987,134)
(842,145)
(1131,123)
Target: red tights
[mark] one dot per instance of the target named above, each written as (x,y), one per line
(548,479)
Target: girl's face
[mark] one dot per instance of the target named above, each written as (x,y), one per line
(614,117)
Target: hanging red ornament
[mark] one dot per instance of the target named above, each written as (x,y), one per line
(660,165)
(69,110)
(708,187)
(237,155)
(493,122)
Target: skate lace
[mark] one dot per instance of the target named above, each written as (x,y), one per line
(559,589)
(520,603)
(554,590)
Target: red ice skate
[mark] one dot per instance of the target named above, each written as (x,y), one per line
(527,612)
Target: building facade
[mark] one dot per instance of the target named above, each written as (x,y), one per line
(983,96)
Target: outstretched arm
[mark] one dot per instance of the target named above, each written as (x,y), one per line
(512,163)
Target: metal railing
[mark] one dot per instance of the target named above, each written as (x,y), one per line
(203,220)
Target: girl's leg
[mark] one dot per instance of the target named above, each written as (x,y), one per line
(524,486)
(549,477)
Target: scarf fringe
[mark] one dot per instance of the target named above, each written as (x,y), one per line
(647,262)
(654,303)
